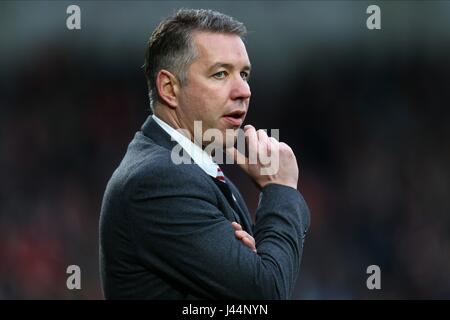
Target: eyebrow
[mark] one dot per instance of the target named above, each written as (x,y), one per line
(227,66)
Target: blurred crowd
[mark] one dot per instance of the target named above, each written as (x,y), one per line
(371,137)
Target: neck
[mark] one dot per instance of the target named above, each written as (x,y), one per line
(171,117)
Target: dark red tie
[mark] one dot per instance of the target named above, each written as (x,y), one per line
(220,175)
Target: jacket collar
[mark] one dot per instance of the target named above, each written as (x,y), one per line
(153,131)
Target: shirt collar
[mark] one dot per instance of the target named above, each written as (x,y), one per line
(198,155)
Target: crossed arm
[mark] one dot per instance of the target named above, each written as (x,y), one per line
(181,233)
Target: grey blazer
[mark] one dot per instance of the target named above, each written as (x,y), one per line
(165,231)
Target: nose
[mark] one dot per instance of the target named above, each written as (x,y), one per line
(240,89)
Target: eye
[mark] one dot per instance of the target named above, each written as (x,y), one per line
(220,75)
(245,75)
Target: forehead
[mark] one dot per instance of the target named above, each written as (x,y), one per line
(218,47)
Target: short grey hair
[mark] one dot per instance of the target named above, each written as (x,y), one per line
(170,46)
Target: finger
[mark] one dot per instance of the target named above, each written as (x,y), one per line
(262,135)
(251,139)
(263,141)
(246,239)
(247,242)
(271,146)
(240,234)
(236,226)
(237,157)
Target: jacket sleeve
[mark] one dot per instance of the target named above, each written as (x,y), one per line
(180,233)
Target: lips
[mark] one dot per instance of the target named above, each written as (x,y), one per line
(235,117)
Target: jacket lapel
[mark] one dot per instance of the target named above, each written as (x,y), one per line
(152,130)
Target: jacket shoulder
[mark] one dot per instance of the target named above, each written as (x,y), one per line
(155,167)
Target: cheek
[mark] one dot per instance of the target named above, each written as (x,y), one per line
(210,103)
(207,102)
(191,100)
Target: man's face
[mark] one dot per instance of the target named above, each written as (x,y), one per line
(216,91)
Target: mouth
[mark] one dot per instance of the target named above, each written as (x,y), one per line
(235,118)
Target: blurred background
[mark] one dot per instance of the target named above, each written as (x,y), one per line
(366,112)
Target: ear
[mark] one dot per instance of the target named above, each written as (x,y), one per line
(168,87)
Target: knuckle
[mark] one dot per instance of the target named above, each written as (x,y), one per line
(285,148)
(262,133)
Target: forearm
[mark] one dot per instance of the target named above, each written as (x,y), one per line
(282,218)
(186,237)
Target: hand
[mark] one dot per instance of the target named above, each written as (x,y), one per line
(267,153)
(246,239)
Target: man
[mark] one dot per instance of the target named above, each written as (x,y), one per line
(183,231)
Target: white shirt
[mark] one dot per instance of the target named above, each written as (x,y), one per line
(197,154)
